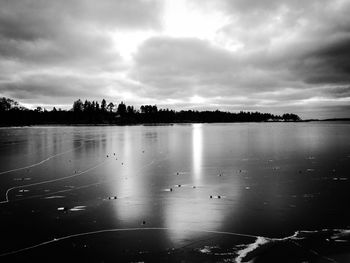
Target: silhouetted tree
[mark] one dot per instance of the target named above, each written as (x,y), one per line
(149,109)
(87,106)
(78,106)
(7,104)
(121,109)
(143,109)
(290,117)
(130,110)
(103,105)
(110,106)
(38,109)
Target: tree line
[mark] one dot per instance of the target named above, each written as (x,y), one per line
(94,112)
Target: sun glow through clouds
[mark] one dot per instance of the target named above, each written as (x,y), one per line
(197,99)
(182,20)
(127,43)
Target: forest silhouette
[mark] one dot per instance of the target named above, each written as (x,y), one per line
(95,113)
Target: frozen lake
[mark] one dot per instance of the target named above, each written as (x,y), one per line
(165,193)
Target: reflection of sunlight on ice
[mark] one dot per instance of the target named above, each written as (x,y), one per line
(197,149)
(194,209)
(127,184)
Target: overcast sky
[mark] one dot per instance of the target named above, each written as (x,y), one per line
(272,56)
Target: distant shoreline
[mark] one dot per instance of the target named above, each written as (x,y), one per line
(332,119)
(164,123)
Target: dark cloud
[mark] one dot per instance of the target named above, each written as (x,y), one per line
(31,19)
(315,43)
(337,92)
(187,67)
(193,55)
(68,51)
(327,64)
(60,49)
(167,63)
(70,32)
(51,87)
(174,67)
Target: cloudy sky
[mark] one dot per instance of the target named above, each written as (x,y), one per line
(272,56)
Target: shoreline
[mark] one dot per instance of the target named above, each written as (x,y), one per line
(160,123)
(163,123)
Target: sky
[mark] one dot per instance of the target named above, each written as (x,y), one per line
(232,55)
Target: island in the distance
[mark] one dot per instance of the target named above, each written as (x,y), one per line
(93,112)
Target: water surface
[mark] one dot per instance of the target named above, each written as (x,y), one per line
(183,187)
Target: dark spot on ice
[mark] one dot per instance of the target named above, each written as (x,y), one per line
(171,189)
(194,186)
(211,196)
(107,155)
(144,222)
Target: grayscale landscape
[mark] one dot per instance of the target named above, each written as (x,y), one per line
(175,131)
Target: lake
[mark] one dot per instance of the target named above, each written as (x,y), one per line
(193,192)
